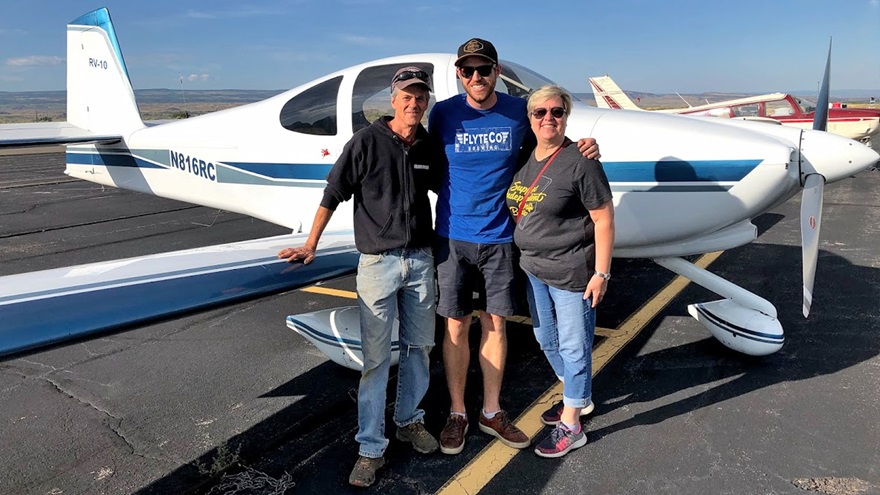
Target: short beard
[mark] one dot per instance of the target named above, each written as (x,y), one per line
(483,99)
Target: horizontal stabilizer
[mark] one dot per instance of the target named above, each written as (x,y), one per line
(609,95)
(49,133)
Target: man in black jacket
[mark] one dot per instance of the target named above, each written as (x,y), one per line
(388,168)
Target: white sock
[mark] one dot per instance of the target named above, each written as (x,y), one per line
(491,414)
(572,428)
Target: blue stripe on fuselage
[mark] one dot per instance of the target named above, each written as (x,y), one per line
(109,160)
(679,170)
(695,172)
(298,171)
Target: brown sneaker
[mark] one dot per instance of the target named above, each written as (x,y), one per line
(364,472)
(452,436)
(501,428)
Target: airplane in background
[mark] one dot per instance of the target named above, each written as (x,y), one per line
(682,186)
(863,125)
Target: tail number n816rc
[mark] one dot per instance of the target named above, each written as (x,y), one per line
(193,165)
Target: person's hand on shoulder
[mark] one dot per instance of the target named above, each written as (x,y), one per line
(589,148)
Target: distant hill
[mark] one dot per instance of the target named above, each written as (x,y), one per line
(204,96)
(34,98)
(156,104)
(30,106)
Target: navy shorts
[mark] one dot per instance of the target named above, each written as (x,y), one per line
(464,268)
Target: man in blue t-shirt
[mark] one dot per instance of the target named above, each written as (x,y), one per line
(483,134)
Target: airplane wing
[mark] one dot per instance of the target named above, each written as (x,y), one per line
(49,306)
(50,133)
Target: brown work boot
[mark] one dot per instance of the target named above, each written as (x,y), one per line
(452,436)
(418,436)
(364,472)
(501,428)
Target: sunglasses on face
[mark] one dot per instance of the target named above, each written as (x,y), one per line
(483,70)
(409,74)
(556,112)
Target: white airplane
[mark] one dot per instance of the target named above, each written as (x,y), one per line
(863,125)
(682,186)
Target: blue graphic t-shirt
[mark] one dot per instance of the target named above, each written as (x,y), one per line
(482,147)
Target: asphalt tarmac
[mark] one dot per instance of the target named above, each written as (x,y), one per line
(228,400)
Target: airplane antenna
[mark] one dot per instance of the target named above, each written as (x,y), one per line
(183,95)
(682,99)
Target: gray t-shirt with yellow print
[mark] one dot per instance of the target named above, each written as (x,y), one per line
(555,231)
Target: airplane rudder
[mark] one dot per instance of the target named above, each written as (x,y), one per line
(100,97)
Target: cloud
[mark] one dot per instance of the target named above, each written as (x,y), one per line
(362,40)
(244,11)
(373,3)
(293,56)
(195,77)
(35,61)
(196,14)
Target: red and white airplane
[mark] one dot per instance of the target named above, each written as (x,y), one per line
(862,125)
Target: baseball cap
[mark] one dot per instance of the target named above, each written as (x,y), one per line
(407,76)
(476,47)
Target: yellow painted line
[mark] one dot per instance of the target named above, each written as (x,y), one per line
(327,291)
(525,320)
(488,463)
(605,332)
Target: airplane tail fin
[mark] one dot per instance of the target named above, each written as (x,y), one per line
(609,95)
(100,97)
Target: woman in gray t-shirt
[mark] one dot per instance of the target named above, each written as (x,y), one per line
(565,231)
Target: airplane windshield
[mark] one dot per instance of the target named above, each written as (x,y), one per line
(516,80)
(806,105)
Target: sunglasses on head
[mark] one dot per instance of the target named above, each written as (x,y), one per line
(483,70)
(409,74)
(540,113)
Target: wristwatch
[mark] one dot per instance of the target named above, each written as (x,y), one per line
(606,276)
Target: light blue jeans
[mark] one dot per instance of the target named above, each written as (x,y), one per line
(398,283)
(564,326)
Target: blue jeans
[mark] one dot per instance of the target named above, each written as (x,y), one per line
(564,326)
(398,283)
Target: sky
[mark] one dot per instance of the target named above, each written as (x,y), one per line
(685,46)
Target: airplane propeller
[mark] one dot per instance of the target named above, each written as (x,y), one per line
(811,220)
(811,198)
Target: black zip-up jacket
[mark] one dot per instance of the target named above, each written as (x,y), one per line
(390,183)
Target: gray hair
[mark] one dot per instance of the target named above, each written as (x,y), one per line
(396,91)
(547,92)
